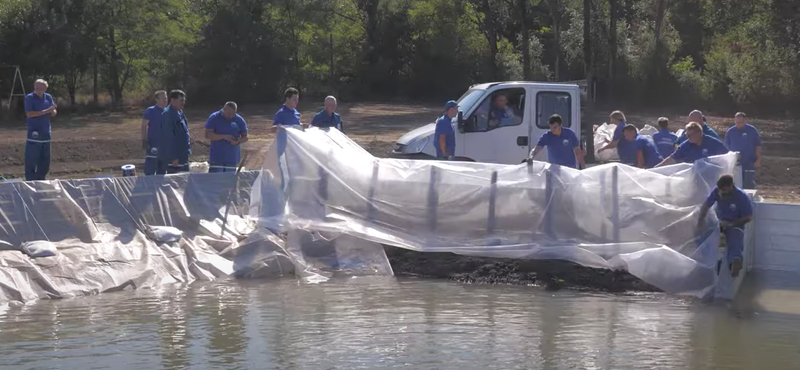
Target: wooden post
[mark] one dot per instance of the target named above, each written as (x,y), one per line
(492,220)
(603,189)
(615,202)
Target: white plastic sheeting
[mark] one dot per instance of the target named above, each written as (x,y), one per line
(140,232)
(611,216)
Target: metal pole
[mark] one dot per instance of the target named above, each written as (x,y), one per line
(371,195)
(548,211)
(492,220)
(615,202)
(433,199)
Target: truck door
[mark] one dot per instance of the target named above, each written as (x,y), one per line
(549,103)
(496,133)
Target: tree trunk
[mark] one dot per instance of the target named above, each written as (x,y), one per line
(330,69)
(526,41)
(587,44)
(113,69)
(555,13)
(491,37)
(661,9)
(612,48)
(94,77)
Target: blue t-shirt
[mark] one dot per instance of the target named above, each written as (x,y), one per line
(38,127)
(286,116)
(502,116)
(688,152)
(736,206)
(222,151)
(444,126)
(561,148)
(322,119)
(153,117)
(628,151)
(744,141)
(665,142)
(707,130)
(618,132)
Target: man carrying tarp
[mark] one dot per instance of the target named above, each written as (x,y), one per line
(174,146)
(637,150)
(563,146)
(734,211)
(697,116)
(39,107)
(328,117)
(151,132)
(226,130)
(745,139)
(618,118)
(698,146)
(445,136)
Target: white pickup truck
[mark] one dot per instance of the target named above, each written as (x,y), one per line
(529,104)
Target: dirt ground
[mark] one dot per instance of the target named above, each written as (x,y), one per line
(98,144)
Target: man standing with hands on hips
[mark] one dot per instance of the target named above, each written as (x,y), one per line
(227,130)
(39,107)
(175,144)
(444,135)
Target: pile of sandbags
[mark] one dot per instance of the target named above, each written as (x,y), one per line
(603,135)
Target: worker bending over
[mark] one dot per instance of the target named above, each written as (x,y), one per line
(563,146)
(697,146)
(618,118)
(733,211)
(637,150)
(697,116)
(226,130)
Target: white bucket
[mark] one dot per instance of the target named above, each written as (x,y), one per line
(128,170)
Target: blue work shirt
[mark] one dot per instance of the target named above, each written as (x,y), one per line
(322,119)
(736,206)
(688,152)
(744,141)
(286,116)
(38,127)
(561,148)
(222,151)
(628,151)
(175,142)
(665,142)
(153,117)
(707,130)
(618,132)
(502,116)
(444,126)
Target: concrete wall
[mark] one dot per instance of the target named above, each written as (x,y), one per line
(777,237)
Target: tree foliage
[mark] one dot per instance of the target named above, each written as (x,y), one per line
(720,54)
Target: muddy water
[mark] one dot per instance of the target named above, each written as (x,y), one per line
(374,323)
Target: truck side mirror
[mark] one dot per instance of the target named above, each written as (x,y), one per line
(461,122)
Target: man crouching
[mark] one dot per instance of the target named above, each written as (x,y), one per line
(734,211)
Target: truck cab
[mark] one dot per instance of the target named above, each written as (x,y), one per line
(481,137)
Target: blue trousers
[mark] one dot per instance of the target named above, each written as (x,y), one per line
(214,167)
(37,160)
(178,169)
(152,165)
(734,239)
(748,178)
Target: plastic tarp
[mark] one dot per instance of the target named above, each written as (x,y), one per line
(111,234)
(610,216)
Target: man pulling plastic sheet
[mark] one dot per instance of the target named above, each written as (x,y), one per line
(611,216)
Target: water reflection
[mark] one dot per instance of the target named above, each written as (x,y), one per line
(371,323)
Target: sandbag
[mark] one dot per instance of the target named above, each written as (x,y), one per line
(39,248)
(164,234)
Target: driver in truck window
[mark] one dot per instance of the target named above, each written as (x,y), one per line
(500,113)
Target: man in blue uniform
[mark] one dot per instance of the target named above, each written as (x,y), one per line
(666,142)
(697,146)
(39,107)
(444,135)
(563,146)
(500,114)
(745,139)
(618,118)
(151,131)
(637,150)
(734,211)
(174,146)
(328,117)
(697,116)
(226,130)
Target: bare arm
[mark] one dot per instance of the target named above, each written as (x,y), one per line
(242,139)
(640,159)
(666,162)
(579,156)
(443,145)
(741,221)
(535,151)
(144,129)
(610,145)
(34,114)
(210,135)
(758,156)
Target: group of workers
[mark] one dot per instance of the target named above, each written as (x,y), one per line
(697,141)
(165,131)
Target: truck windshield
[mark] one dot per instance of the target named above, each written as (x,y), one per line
(469,99)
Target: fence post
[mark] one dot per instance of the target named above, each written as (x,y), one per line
(433,199)
(371,194)
(615,202)
(492,220)
(548,210)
